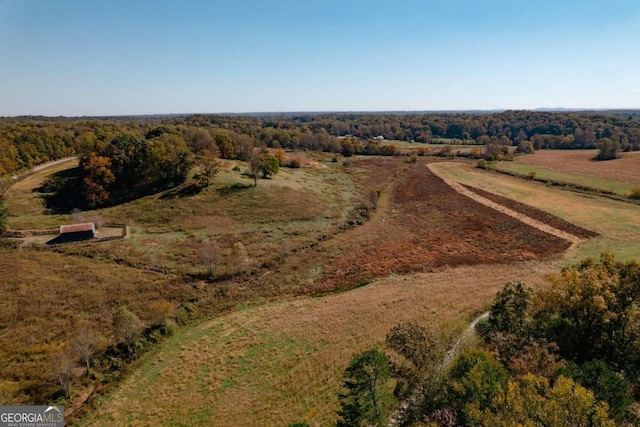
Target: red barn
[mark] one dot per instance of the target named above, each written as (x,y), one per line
(76,232)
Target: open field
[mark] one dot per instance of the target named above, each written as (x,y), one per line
(421,225)
(617,223)
(427,253)
(161,261)
(282,363)
(619,176)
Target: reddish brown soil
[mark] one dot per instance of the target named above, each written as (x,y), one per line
(536,214)
(425,225)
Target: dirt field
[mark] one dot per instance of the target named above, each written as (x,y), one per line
(625,169)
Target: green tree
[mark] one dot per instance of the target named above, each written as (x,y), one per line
(422,355)
(607,149)
(476,380)
(511,310)
(4,215)
(368,395)
(127,325)
(607,385)
(264,164)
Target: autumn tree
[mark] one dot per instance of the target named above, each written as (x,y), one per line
(421,354)
(98,178)
(591,312)
(525,147)
(209,167)
(128,167)
(367,398)
(476,380)
(532,401)
(158,311)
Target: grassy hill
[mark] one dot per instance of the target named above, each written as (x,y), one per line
(264,338)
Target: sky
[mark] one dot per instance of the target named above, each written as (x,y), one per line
(113,57)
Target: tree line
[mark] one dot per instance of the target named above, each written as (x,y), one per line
(160,150)
(25,142)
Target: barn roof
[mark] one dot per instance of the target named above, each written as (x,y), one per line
(75,228)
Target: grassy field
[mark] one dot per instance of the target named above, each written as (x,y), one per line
(162,261)
(427,254)
(281,363)
(576,167)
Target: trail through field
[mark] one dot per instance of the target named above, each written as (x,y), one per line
(503,209)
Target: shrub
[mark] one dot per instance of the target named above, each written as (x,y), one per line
(294,164)
(635,193)
(532,175)
(482,164)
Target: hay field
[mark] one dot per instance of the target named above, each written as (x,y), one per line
(577,167)
(281,363)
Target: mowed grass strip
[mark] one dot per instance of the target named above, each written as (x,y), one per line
(280,363)
(617,223)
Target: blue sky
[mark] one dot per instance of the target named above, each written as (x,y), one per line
(145,57)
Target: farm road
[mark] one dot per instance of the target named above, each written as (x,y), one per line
(500,208)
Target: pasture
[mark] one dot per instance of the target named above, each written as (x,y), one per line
(282,362)
(274,334)
(576,167)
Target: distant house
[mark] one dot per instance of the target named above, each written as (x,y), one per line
(76,232)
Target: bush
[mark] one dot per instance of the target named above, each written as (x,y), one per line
(532,175)
(294,164)
(482,164)
(635,193)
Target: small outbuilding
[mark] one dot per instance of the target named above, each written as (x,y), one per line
(77,232)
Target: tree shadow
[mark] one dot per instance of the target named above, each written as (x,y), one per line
(233,188)
(62,192)
(187,191)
